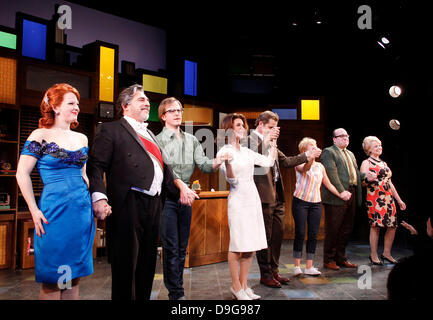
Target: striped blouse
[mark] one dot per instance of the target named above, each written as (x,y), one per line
(308,183)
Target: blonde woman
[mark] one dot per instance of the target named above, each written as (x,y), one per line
(307,206)
(381,197)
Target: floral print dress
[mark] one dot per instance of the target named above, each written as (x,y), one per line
(380,202)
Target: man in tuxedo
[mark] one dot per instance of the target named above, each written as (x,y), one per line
(137,184)
(271,191)
(343,172)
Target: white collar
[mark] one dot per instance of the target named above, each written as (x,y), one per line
(258,134)
(135,124)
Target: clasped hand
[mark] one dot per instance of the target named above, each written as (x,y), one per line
(345,195)
(101,209)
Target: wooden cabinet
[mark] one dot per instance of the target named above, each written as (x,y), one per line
(210,237)
(6,233)
(26,248)
(9,123)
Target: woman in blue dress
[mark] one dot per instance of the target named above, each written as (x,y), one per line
(63,217)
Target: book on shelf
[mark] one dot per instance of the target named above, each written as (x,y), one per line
(5,207)
(11,172)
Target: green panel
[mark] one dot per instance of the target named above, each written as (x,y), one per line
(8,40)
(153,114)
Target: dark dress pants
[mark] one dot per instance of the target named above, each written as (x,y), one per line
(175,230)
(133,246)
(338,228)
(268,259)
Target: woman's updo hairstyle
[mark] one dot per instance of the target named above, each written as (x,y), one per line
(53,97)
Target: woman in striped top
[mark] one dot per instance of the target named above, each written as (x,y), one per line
(307,206)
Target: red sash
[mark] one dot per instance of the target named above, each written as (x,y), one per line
(153,149)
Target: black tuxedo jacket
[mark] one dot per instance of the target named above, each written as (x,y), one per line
(119,152)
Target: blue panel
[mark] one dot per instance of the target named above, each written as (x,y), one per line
(34,39)
(286,114)
(190,81)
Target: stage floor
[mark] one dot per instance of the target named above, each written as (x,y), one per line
(212,282)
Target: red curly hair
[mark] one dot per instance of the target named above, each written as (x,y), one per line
(53,97)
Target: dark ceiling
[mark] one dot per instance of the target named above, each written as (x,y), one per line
(335,60)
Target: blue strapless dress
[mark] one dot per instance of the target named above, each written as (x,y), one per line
(65,202)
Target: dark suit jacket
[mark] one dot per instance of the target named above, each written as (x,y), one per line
(336,169)
(119,152)
(264,177)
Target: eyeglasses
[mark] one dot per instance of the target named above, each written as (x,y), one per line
(342,136)
(171,111)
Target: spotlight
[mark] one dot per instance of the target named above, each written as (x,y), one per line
(384,40)
(395,91)
(381,44)
(394,124)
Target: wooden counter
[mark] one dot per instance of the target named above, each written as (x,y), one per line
(210,237)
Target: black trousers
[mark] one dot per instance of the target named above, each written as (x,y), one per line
(338,228)
(306,214)
(133,246)
(268,259)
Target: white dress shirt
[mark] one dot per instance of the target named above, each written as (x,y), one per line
(155,188)
(277,174)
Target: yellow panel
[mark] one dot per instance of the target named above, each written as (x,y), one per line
(199,115)
(8,80)
(310,109)
(106,74)
(154,84)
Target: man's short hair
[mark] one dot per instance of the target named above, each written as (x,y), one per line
(266,116)
(126,96)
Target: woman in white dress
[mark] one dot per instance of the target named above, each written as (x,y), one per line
(245,218)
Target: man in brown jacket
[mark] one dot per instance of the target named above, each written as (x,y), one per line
(270,187)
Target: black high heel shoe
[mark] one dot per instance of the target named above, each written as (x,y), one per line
(380,263)
(385,258)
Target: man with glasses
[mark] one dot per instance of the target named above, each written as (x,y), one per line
(182,151)
(343,172)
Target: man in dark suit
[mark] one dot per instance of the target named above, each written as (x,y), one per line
(138,181)
(343,172)
(271,191)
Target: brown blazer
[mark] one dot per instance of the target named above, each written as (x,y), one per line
(265,177)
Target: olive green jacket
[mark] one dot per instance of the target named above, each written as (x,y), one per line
(336,169)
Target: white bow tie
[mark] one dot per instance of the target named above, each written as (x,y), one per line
(141,126)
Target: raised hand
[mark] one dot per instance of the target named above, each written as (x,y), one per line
(314,153)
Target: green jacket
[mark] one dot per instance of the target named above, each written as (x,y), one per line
(336,169)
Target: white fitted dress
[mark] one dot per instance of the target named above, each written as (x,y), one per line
(245,217)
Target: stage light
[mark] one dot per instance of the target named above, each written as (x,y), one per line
(395,91)
(384,42)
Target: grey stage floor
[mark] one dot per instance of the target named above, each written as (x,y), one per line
(212,282)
